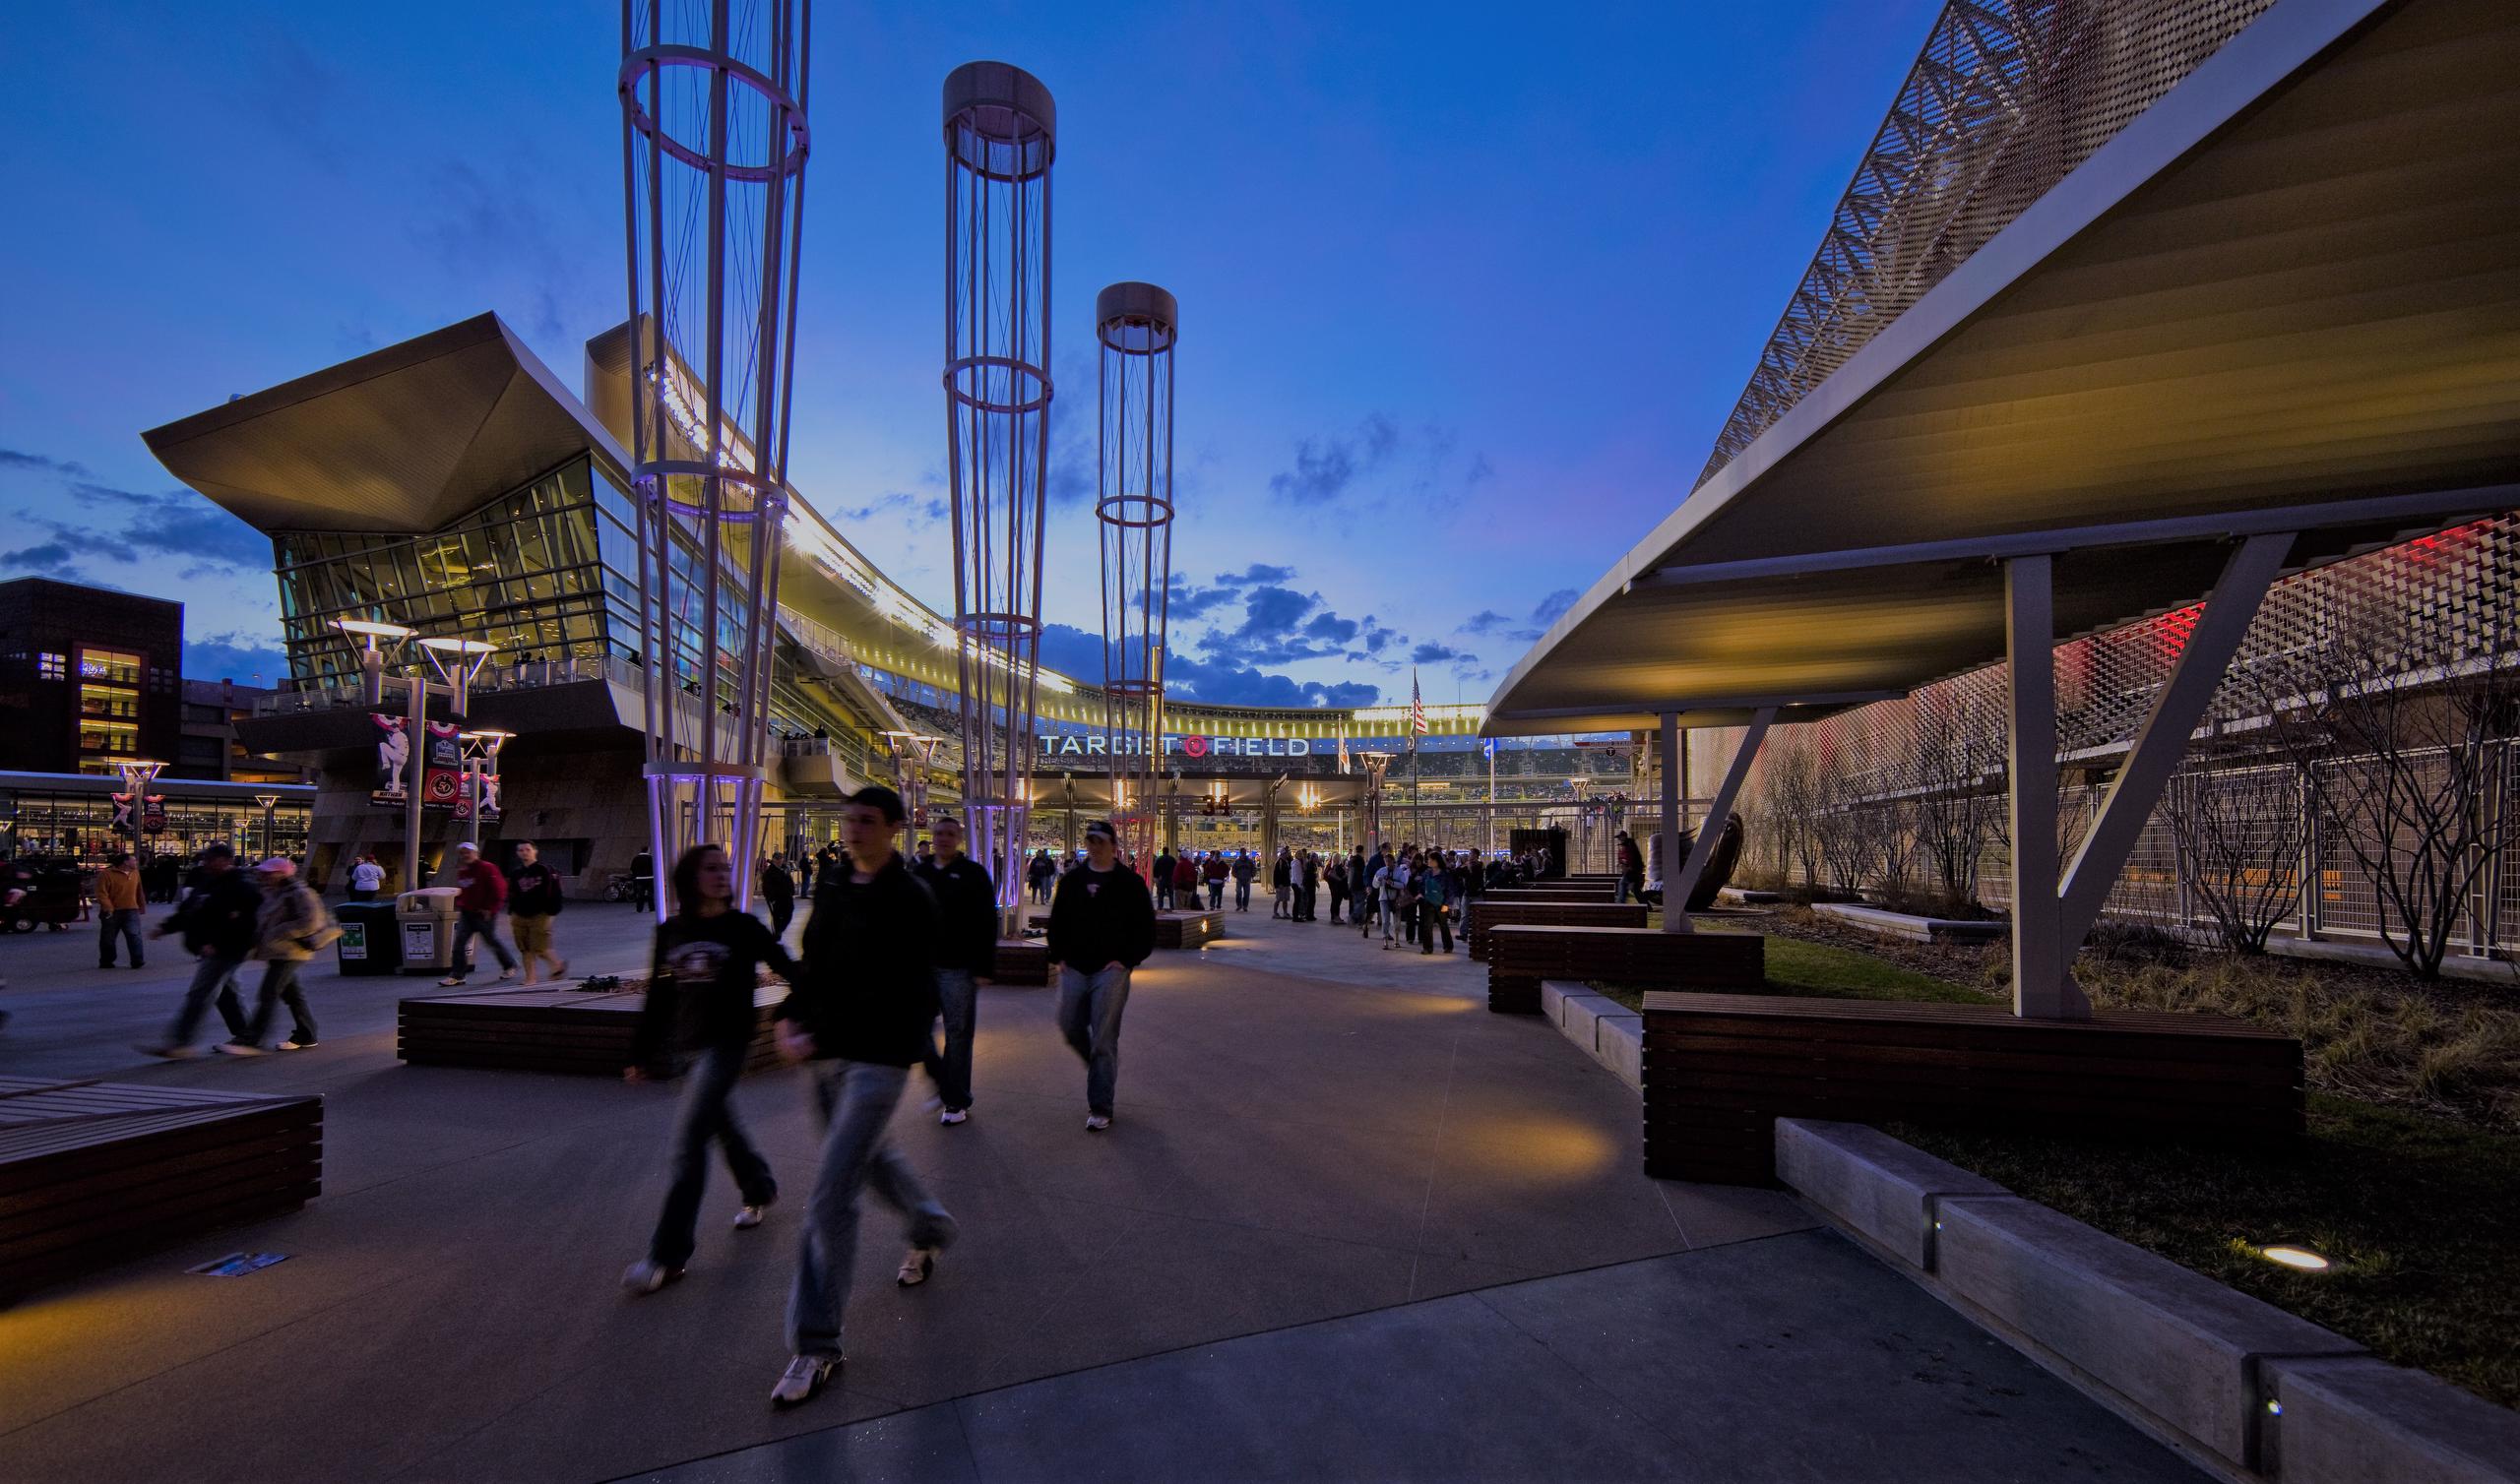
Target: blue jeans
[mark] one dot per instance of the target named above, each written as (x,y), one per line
(1241,896)
(123,922)
(706,1112)
(1090,1007)
(212,975)
(467,924)
(958,999)
(280,987)
(1215,894)
(856,1099)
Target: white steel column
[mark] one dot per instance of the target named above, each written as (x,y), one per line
(2040,987)
(2163,739)
(1667,834)
(1718,812)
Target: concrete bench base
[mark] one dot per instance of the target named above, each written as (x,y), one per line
(545,1029)
(2236,1383)
(1881,922)
(1607,1032)
(1187,929)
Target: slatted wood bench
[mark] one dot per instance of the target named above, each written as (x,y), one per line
(1719,1070)
(1021,961)
(546,1029)
(1519,958)
(1187,929)
(1494,912)
(93,1172)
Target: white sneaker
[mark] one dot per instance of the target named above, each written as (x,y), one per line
(804,1377)
(647,1276)
(1095,1122)
(239,1048)
(750,1216)
(918,1268)
(953,1116)
(451,981)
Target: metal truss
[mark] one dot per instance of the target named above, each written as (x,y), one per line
(1137,325)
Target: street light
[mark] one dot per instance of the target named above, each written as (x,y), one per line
(484,745)
(270,803)
(137,775)
(457,662)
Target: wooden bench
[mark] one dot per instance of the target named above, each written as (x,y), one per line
(545,1029)
(1721,1069)
(1021,961)
(93,1172)
(1518,912)
(1188,929)
(1520,956)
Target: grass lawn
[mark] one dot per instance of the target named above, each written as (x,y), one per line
(2418,1214)
(1796,966)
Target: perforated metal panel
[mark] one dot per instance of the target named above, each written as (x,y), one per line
(2007,97)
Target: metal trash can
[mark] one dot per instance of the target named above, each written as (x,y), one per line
(368,944)
(424,929)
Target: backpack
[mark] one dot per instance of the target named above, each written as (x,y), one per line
(324,933)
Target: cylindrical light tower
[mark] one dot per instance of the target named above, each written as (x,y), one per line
(1137,324)
(714,141)
(999,137)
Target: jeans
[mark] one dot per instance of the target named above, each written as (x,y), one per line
(1390,915)
(1243,897)
(856,1099)
(212,975)
(1164,896)
(958,999)
(121,920)
(1632,889)
(1215,894)
(467,924)
(706,1112)
(1090,1006)
(280,987)
(1434,919)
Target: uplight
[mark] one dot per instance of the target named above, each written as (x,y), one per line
(2294,1256)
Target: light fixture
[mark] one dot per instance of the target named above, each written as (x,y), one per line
(2294,1256)
(372,631)
(459,645)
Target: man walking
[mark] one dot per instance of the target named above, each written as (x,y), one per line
(1163,880)
(1244,868)
(778,889)
(217,925)
(643,881)
(1102,926)
(860,1015)
(480,892)
(119,908)
(534,900)
(1434,910)
(1214,870)
(291,928)
(965,956)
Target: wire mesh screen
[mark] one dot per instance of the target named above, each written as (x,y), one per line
(2007,97)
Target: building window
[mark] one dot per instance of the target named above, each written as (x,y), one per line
(50,667)
(109,668)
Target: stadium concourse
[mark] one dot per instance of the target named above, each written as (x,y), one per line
(1347,1224)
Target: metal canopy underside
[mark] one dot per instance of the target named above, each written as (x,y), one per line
(407,439)
(2293,280)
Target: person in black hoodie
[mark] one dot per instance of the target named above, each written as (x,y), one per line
(778,889)
(701,986)
(217,923)
(1102,926)
(965,955)
(861,1016)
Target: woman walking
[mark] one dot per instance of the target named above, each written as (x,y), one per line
(700,1003)
(291,928)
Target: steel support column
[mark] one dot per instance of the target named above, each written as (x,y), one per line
(2040,987)
(1718,812)
(1666,834)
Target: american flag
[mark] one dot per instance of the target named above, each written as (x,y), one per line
(1416,711)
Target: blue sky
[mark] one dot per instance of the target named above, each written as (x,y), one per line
(1466,290)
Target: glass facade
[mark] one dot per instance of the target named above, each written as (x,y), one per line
(55,824)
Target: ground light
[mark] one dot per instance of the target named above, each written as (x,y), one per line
(2294,1256)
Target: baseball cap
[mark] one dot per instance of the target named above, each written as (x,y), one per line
(1103,828)
(279,865)
(469,845)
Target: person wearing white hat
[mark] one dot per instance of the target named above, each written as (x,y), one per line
(291,928)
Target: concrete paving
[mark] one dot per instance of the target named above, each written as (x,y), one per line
(1347,1224)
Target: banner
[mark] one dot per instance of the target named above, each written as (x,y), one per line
(122,822)
(442,775)
(393,760)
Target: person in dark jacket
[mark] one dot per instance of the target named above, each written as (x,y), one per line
(965,956)
(216,921)
(1102,926)
(1163,879)
(778,889)
(860,1015)
(700,988)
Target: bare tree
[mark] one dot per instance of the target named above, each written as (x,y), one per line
(1789,790)
(2419,705)
(1955,766)
(2240,813)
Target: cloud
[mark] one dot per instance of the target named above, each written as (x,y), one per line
(235,656)
(1072,652)
(1485,621)
(49,559)
(14,459)
(1481,470)
(1554,606)
(1325,467)
(1187,602)
(1224,680)
(925,507)
(1330,627)
(1432,653)
(1257,572)
(168,523)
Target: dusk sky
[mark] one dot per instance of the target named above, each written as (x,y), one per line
(1466,290)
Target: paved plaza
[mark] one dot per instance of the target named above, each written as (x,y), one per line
(1348,1225)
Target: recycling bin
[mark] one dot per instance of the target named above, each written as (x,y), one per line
(424,929)
(369,944)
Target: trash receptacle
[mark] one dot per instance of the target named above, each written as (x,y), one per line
(424,929)
(368,944)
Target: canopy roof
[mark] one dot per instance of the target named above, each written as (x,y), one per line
(2291,286)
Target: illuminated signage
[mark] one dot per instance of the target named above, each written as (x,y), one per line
(1184,745)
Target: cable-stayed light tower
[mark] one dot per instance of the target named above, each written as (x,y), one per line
(1137,324)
